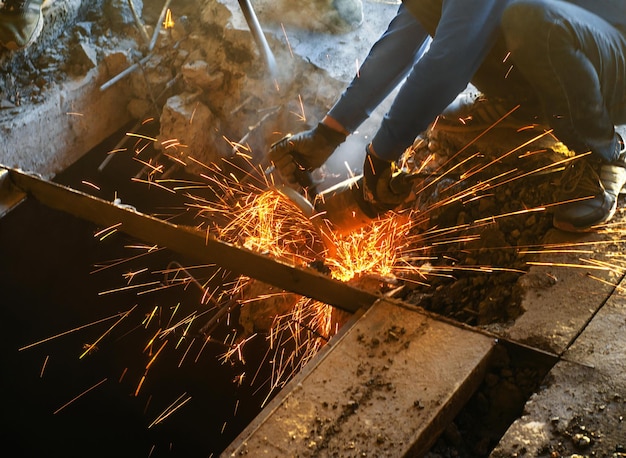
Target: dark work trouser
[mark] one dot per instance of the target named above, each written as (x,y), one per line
(576,63)
(568,61)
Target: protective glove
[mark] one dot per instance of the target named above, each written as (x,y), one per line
(304,152)
(384,187)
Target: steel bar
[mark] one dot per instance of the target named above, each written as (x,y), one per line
(259,37)
(143,60)
(125,73)
(9,198)
(194,244)
(157,26)
(139,23)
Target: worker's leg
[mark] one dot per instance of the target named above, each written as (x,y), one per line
(21,22)
(387,63)
(576,63)
(497,88)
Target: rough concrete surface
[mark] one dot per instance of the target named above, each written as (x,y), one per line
(387,387)
(562,295)
(73,119)
(50,116)
(581,409)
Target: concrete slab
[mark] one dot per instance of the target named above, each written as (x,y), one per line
(564,289)
(581,410)
(386,386)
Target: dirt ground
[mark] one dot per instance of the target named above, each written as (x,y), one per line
(483,254)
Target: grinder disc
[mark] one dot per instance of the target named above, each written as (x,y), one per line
(298,200)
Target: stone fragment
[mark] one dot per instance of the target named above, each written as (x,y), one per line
(84,55)
(138,108)
(188,127)
(198,73)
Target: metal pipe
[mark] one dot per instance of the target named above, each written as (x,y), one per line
(139,23)
(157,27)
(259,37)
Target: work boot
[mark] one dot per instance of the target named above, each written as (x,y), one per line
(472,111)
(21,22)
(589,192)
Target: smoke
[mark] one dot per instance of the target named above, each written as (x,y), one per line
(331,16)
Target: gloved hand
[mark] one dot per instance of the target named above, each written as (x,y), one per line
(384,187)
(304,151)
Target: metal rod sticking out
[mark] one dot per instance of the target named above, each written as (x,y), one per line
(259,37)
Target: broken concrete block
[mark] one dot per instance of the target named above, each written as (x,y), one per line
(151,79)
(119,11)
(138,108)
(84,56)
(214,13)
(197,73)
(181,28)
(189,128)
(115,61)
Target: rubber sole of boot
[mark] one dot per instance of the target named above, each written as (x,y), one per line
(569,227)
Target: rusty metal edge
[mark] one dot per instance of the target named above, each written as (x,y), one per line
(197,245)
(9,196)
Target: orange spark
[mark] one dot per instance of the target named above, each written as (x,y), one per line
(79,396)
(96,187)
(282,26)
(168,23)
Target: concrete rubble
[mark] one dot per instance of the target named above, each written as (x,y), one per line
(220,71)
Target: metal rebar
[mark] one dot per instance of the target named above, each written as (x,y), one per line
(137,65)
(157,27)
(259,37)
(125,73)
(140,25)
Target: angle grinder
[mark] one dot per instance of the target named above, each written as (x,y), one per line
(335,211)
(342,208)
